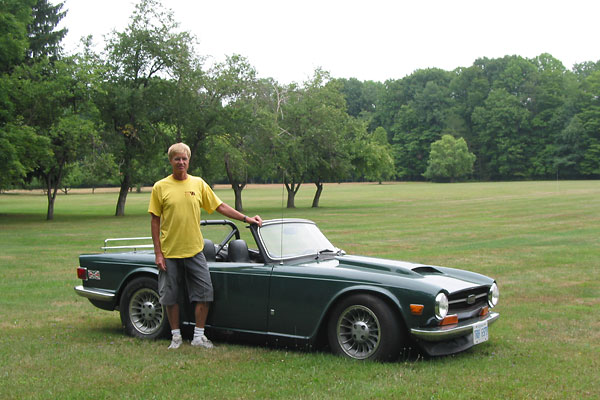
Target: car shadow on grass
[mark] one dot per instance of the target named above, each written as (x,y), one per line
(407,354)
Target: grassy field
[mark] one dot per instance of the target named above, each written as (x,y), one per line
(540,240)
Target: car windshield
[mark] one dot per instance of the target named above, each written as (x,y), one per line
(294,239)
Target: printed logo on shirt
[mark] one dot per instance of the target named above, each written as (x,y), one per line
(190,194)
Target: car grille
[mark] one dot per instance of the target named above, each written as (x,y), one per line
(468,303)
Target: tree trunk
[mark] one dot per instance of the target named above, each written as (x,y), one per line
(52,182)
(51,198)
(50,213)
(120,211)
(317,197)
(291,199)
(235,185)
(292,189)
(237,191)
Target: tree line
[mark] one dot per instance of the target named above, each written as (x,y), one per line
(521,118)
(107,117)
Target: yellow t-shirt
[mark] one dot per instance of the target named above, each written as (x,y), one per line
(179,204)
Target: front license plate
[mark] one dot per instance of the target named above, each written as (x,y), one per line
(480,332)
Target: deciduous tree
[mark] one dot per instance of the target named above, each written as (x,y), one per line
(372,155)
(502,125)
(246,128)
(449,160)
(136,61)
(313,142)
(15,17)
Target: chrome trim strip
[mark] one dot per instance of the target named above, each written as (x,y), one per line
(440,333)
(287,221)
(94,294)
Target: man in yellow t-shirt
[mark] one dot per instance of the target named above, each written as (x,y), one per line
(175,209)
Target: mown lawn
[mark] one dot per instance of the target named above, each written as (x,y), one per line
(540,240)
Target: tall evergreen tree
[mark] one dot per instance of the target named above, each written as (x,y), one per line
(44,38)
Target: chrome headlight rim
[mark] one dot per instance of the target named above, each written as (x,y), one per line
(493,295)
(441,306)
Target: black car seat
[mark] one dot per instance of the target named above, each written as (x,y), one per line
(238,251)
(209,250)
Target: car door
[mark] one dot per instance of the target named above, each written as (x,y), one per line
(241,296)
(300,294)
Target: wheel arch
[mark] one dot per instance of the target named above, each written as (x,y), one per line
(137,273)
(378,292)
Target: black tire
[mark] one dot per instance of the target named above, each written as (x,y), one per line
(142,315)
(363,327)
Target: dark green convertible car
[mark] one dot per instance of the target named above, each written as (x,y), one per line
(294,285)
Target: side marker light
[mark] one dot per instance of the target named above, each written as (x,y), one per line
(417,309)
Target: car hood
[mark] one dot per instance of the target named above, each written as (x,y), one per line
(450,279)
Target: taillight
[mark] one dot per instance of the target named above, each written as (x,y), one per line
(82,273)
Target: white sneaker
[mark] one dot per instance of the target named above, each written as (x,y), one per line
(176,342)
(202,341)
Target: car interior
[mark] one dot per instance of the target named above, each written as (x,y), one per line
(235,251)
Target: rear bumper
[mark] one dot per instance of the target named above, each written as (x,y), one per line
(95,294)
(448,332)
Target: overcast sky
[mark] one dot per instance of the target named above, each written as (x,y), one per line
(370,39)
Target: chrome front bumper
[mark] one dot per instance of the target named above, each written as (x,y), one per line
(94,294)
(441,333)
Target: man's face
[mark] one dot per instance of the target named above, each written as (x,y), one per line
(180,163)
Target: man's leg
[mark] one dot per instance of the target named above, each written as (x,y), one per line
(167,288)
(201,292)
(173,315)
(201,312)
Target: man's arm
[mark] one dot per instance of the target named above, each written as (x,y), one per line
(159,258)
(227,211)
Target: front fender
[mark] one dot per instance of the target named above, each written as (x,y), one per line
(347,291)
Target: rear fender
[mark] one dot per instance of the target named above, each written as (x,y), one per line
(135,273)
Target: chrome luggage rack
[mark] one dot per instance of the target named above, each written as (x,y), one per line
(135,247)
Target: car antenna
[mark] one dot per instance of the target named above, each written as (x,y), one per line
(282,211)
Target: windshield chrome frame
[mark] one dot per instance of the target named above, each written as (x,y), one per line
(290,221)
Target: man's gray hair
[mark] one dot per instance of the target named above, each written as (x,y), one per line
(179,148)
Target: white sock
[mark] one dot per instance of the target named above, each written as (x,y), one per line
(198,332)
(176,332)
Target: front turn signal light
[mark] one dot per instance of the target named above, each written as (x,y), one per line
(484,311)
(449,320)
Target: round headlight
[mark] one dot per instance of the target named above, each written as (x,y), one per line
(441,306)
(493,295)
